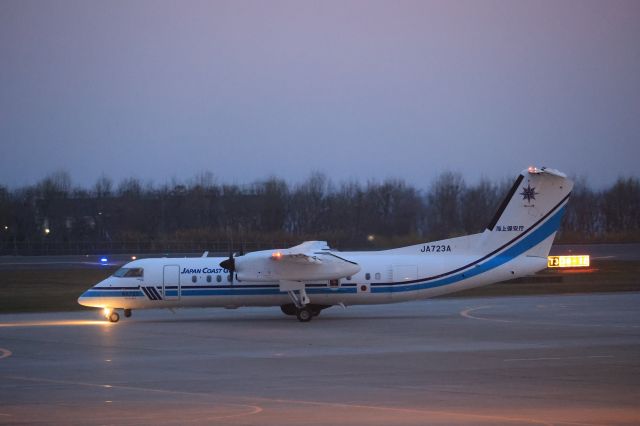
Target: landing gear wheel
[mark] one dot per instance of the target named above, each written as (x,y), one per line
(114,317)
(289,309)
(127,313)
(304,314)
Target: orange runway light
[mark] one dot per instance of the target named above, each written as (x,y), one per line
(575,261)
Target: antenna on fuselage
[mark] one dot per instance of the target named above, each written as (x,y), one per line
(205,254)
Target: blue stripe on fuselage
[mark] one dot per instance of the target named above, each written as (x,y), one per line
(530,241)
(97,292)
(237,291)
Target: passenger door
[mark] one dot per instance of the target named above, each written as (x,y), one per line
(171,282)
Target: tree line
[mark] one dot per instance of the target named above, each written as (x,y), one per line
(54,216)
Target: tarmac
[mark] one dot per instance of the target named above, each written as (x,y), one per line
(563,360)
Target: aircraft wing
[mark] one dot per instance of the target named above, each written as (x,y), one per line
(305,253)
(309,261)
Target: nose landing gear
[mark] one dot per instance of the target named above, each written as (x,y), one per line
(114,317)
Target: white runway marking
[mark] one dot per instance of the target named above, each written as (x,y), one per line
(252,409)
(467,314)
(555,358)
(5,353)
(459,416)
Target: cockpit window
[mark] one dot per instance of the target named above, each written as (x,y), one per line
(129,273)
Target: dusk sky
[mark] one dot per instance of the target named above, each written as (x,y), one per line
(356,89)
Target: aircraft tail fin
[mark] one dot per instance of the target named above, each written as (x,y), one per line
(531,212)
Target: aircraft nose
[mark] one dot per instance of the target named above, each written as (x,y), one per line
(84,299)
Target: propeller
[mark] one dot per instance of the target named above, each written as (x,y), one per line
(230,263)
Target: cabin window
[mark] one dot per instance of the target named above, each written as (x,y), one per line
(194,279)
(367,276)
(349,278)
(129,273)
(377,275)
(219,278)
(208,278)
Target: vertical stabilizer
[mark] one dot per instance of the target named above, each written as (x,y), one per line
(533,208)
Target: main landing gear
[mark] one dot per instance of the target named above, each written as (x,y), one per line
(305,313)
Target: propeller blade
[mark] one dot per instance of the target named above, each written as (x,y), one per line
(229,264)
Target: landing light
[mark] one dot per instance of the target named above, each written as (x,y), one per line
(277,255)
(575,261)
(106,312)
(104,260)
(133,257)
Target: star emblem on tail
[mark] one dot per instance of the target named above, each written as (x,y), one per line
(529,193)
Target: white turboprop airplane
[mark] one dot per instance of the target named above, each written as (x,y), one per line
(307,278)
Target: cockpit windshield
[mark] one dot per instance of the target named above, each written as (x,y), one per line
(129,273)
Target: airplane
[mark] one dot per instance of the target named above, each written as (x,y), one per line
(310,277)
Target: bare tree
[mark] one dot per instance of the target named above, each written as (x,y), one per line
(621,206)
(308,205)
(268,210)
(103,187)
(479,202)
(444,205)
